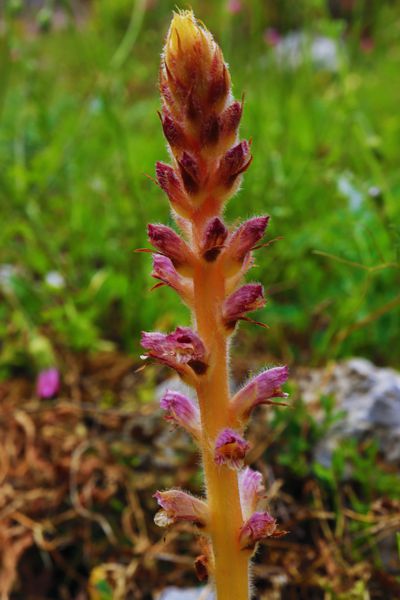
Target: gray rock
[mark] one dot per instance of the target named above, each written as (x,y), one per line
(370,398)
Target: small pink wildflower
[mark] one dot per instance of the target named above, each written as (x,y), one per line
(272,37)
(230,449)
(48,383)
(234,7)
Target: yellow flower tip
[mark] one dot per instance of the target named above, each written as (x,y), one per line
(186,36)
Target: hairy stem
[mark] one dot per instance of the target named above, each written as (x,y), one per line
(231,563)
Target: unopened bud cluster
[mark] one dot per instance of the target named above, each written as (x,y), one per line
(200,120)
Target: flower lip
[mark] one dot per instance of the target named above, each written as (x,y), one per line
(181,411)
(230,449)
(178,506)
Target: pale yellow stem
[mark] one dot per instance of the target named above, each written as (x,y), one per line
(231,563)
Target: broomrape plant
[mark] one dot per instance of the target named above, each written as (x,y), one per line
(206,267)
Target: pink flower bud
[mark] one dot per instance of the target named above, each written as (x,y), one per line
(172,130)
(235,162)
(169,181)
(181,411)
(180,349)
(179,506)
(230,119)
(213,240)
(251,490)
(210,129)
(48,383)
(170,244)
(219,83)
(242,241)
(259,390)
(260,525)
(230,449)
(189,173)
(164,270)
(247,298)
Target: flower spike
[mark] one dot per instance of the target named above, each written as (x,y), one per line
(200,120)
(230,449)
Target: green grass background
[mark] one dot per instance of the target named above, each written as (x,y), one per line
(79,132)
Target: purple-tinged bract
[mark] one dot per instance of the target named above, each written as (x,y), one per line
(259,526)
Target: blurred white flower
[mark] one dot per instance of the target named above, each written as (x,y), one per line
(55,280)
(7,272)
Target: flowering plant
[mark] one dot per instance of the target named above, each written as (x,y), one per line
(206,266)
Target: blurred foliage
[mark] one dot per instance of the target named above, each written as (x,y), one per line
(79,132)
(357,489)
